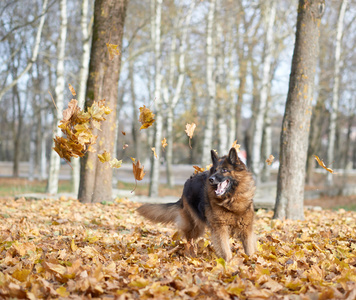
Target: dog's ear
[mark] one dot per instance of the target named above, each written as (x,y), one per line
(214,157)
(233,157)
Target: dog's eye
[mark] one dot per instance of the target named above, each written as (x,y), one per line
(224,170)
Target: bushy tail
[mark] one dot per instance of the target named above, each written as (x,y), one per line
(161,213)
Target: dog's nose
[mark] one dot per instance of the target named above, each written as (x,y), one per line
(212,179)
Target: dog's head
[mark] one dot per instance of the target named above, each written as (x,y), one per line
(225,173)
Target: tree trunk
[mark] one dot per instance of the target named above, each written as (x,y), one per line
(335,99)
(296,120)
(83,77)
(52,183)
(109,18)
(210,81)
(269,19)
(135,127)
(155,162)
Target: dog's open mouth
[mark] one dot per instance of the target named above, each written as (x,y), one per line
(222,187)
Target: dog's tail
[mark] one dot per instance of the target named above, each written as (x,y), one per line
(161,213)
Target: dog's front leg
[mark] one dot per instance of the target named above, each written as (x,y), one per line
(220,238)
(249,242)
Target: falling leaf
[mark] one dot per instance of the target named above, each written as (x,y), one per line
(198,169)
(164,143)
(104,157)
(123,132)
(146,117)
(113,51)
(321,163)
(72,90)
(189,129)
(138,170)
(125,146)
(236,146)
(114,163)
(154,152)
(270,159)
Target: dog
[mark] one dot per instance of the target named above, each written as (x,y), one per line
(220,199)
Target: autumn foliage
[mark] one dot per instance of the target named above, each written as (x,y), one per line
(63,248)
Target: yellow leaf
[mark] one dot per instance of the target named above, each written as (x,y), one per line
(73,246)
(62,291)
(113,51)
(164,143)
(321,163)
(270,159)
(189,129)
(198,169)
(21,275)
(56,268)
(114,163)
(138,170)
(105,157)
(139,283)
(72,90)
(154,152)
(146,117)
(236,146)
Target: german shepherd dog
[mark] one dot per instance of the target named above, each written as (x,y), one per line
(221,198)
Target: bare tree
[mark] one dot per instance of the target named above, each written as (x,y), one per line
(335,99)
(83,77)
(54,165)
(211,86)
(35,50)
(155,162)
(269,19)
(296,120)
(109,19)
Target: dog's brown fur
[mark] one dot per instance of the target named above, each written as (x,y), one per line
(228,214)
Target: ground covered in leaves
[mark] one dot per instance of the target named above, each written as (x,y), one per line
(64,249)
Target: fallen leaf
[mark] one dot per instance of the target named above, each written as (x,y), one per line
(114,163)
(154,152)
(72,90)
(104,157)
(321,163)
(270,159)
(146,117)
(236,146)
(164,143)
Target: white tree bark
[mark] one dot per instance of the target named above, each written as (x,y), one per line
(83,76)
(52,184)
(335,99)
(269,18)
(155,165)
(210,80)
(172,100)
(36,47)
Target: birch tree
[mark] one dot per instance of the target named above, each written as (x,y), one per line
(335,99)
(155,162)
(269,19)
(108,27)
(54,165)
(36,47)
(211,86)
(172,96)
(83,76)
(296,120)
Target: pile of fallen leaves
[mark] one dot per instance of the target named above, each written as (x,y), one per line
(62,248)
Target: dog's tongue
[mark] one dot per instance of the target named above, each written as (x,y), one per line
(221,188)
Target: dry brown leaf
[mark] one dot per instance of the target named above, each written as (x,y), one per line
(146,117)
(270,159)
(164,143)
(72,90)
(189,129)
(321,163)
(236,146)
(198,169)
